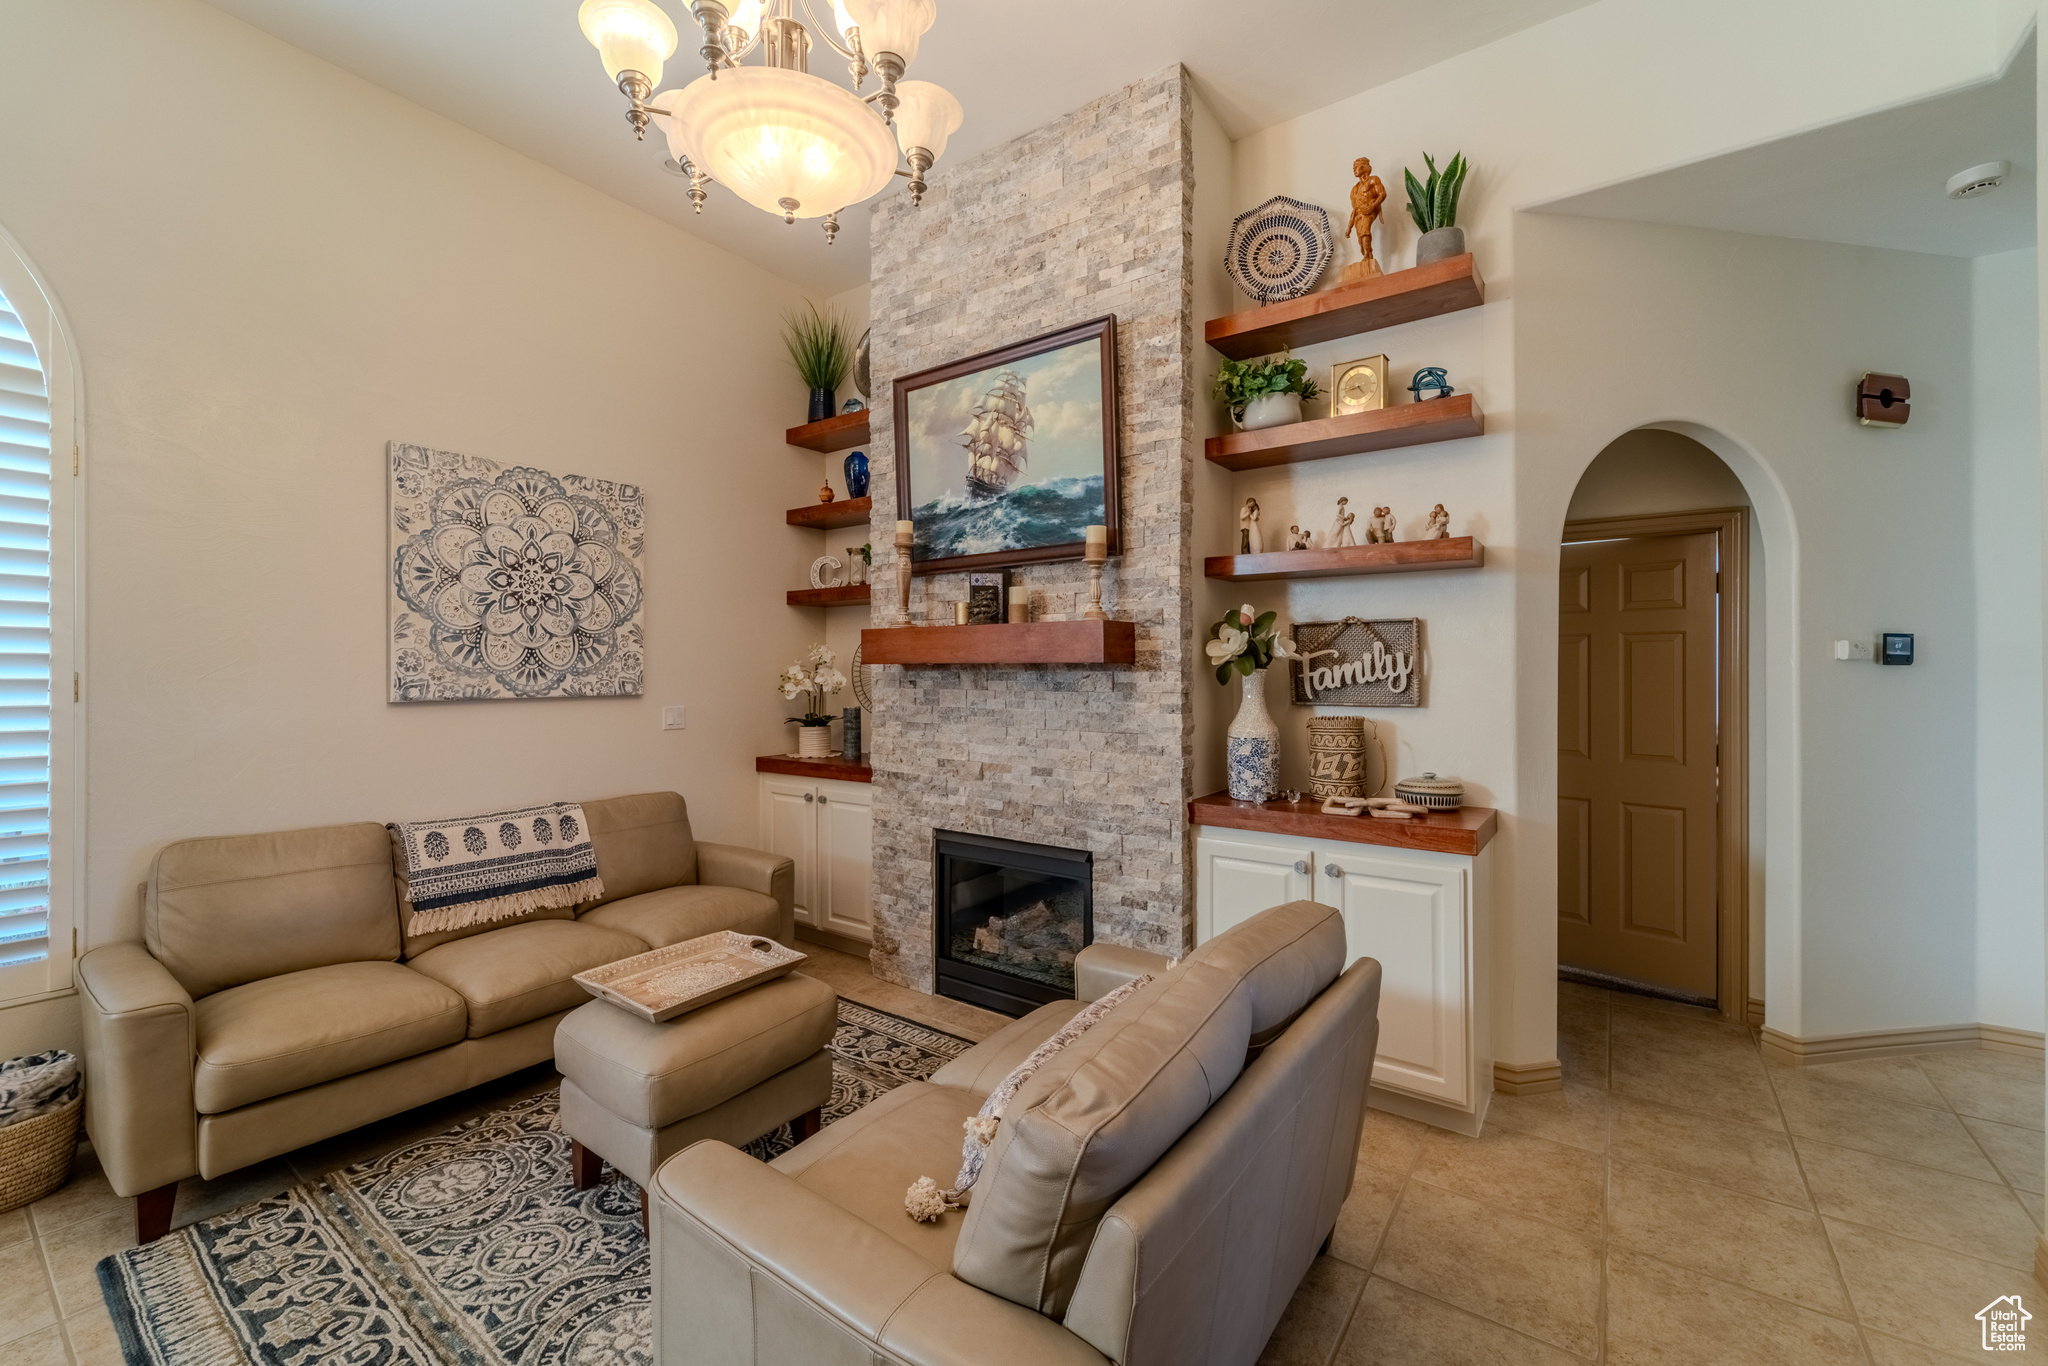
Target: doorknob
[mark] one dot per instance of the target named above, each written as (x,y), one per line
(1301,867)
(821,799)
(1332,870)
(808,797)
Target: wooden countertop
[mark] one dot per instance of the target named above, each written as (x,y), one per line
(837,770)
(1464,831)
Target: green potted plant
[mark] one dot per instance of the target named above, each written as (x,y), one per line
(1264,393)
(813,678)
(1434,207)
(819,349)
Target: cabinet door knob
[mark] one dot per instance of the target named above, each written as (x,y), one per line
(1301,866)
(1332,870)
(808,797)
(821,799)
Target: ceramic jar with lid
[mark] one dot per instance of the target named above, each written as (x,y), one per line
(1438,794)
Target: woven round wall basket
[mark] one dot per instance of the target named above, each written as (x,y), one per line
(35,1155)
(1336,757)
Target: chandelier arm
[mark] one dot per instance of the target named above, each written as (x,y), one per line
(737,55)
(824,30)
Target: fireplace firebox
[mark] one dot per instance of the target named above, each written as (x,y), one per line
(1010,917)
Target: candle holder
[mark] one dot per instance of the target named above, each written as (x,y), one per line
(1096,553)
(903,537)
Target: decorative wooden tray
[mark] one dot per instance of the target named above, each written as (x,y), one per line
(664,983)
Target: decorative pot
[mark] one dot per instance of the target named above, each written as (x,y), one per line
(849,735)
(822,404)
(1271,410)
(857,475)
(1253,744)
(1438,794)
(814,742)
(1336,757)
(1439,244)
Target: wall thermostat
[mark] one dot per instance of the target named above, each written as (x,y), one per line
(1881,400)
(1898,648)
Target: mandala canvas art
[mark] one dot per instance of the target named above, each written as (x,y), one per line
(511,582)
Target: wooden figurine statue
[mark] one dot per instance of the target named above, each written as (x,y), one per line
(1297,539)
(1379,530)
(1249,539)
(1438,528)
(1340,530)
(1368,196)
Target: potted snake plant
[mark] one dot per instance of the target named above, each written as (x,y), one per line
(1434,207)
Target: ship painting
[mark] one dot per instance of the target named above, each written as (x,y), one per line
(1008,458)
(997,438)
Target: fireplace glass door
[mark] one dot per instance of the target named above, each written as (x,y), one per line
(1011,916)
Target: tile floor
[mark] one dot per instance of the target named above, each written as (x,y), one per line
(1680,1201)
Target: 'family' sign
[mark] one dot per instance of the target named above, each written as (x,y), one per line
(1356,663)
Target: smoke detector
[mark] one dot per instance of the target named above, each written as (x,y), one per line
(1978,179)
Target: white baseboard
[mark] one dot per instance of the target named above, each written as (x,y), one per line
(1892,1043)
(1528,1078)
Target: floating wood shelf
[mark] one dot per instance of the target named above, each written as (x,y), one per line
(837,770)
(1464,831)
(1035,642)
(831,516)
(1400,557)
(1411,424)
(828,597)
(840,433)
(1425,292)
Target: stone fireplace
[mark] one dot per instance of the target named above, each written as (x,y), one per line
(1009,917)
(1092,214)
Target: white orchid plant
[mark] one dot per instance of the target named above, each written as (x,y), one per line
(1246,641)
(813,678)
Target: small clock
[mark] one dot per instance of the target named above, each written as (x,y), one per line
(1358,386)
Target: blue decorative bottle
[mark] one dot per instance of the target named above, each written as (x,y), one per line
(857,475)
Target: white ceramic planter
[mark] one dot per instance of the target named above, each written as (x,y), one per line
(1274,410)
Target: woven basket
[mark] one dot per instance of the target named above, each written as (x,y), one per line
(35,1155)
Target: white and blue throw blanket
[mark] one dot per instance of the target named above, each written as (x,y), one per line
(36,1085)
(481,868)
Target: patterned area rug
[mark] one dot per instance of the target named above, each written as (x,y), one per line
(469,1248)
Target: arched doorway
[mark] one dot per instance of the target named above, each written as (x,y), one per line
(1656,599)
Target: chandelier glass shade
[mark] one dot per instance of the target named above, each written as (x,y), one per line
(927,116)
(893,25)
(630,35)
(785,141)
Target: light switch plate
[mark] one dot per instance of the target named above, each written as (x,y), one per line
(1853,650)
(672,718)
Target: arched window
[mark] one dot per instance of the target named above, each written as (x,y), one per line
(39,692)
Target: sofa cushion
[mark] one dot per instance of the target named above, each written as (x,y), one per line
(863,1163)
(643,843)
(673,914)
(982,1068)
(1092,1121)
(299,1029)
(231,909)
(653,1075)
(417,944)
(1286,956)
(521,972)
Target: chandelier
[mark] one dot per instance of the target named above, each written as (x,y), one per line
(775,135)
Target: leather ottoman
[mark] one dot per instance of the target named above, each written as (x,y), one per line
(634,1093)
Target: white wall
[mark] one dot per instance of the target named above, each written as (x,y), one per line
(2005,553)
(1609,92)
(274,268)
(1215,493)
(841,626)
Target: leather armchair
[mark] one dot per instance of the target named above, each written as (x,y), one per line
(140,1041)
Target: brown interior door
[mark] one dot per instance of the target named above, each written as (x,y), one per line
(1637,771)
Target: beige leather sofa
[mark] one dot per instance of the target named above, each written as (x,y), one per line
(1154,1195)
(277,999)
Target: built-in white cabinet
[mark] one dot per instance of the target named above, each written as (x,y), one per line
(827,829)
(1419,912)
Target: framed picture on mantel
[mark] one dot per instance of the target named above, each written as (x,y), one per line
(1007,457)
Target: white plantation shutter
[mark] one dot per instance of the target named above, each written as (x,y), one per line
(24,651)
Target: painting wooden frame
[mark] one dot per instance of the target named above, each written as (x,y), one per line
(910,499)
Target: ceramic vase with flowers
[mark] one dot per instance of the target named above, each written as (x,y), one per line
(1244,643)
(813,678)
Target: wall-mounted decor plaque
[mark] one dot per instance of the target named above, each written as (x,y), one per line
(1358,663)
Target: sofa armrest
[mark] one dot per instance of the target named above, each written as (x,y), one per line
(1101,968)
(731,865)
(749,1265)
(139,1047)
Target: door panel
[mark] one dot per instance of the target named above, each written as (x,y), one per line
(1236,878)
(789,827)
(1411,918)
(845,859)
(1637,779)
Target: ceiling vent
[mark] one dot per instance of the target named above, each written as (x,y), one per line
(1978,179)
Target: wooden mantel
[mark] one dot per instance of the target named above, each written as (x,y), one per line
(1464,831)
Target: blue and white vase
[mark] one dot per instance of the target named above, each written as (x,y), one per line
(857,475)
(1253,745)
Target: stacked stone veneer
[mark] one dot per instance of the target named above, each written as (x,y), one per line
(1088,216)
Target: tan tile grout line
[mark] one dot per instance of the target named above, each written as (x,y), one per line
(2022,1196)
